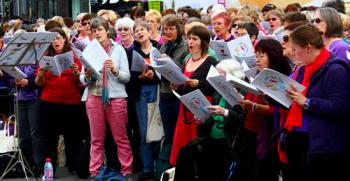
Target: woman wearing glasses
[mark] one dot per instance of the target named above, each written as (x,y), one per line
(276,20)
(321,110)
(328,21)
(175,47)
(124,27)
(60,105)
(221,26)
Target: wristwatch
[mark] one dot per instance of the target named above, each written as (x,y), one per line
(306,105)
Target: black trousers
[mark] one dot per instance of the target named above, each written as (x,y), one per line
(297,145)
(249,167)
(329,166)
(66,119)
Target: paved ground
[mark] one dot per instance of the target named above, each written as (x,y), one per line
(61,175)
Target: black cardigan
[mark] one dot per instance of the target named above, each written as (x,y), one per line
(200,74)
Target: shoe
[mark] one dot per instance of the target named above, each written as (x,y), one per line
(131,177)
(92,177)
(146,176)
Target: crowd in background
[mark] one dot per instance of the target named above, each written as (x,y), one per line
(107,116)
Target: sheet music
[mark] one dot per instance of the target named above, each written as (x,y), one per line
(224,88)
(26,48)
(170,71)
(94,57)
(242,84)
(15,72)
(57,64)
(197,103)
(275,84)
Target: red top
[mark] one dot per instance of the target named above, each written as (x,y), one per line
(254,121)
(64,89)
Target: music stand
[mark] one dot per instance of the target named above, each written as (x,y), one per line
(23,49)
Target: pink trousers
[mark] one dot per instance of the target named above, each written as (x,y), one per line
(114,113)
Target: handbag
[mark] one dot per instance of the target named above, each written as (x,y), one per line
(8,142)
(155,130)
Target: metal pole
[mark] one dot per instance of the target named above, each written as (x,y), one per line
(2,8)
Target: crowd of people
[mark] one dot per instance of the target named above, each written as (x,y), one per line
(257,139)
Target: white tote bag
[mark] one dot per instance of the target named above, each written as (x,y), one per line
(8,143)
(155,130)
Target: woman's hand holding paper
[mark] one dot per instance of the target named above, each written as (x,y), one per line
(296,95)
(216,110)
(192,83)
(22,83)
(174,87)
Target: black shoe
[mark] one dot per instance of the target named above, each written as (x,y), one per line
(146,176)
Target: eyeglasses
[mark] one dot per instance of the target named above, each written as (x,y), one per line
(272,19)
(58,38)
(86,23)
(285,38)
(316,20)
(235,25)
(123,29)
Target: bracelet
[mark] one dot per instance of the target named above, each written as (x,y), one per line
(254,107)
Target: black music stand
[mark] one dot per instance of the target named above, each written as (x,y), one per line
(23,49)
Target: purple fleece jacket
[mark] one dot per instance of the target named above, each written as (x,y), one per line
(328,116)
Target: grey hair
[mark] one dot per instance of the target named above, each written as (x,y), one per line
(143,24)
(333,21)
(126,21)
(232,67)
(98,21)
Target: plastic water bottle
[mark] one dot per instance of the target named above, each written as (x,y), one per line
(48,170)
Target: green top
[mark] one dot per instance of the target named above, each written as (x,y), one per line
(217,131)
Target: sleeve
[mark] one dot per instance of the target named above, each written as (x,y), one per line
(336,101)
(124,73)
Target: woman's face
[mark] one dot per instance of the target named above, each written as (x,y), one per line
(100,33)
(58,43)
(220,27)
(274,21)
(170,33)
(124,32)
(153,23)
(319,22)
(287,49)
(194,44)
(302,53)
(262,60)
(142,34)
(86,27)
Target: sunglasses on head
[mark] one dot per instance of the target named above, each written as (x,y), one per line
(272,19)
(316,20)
(86,23)
(285,38)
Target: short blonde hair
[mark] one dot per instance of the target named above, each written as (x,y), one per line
(277,12)
(59,20)
(155,14)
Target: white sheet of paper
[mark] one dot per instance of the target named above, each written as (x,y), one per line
(94,57)
(171,71)
(250,62)
(153,55)
(64,60)
(241,47)
(59,63)
(138,62)
(14,72)
(224,88)
(221,48)
(275,84)
(242,84)
(17,47)
(197,103)
(251,73)
(50,64)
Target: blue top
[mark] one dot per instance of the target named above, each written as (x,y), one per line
(328,114)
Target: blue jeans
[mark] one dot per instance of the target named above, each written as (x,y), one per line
(31,132)
(148,95)
(169,110)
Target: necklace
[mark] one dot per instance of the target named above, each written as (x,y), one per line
(195,60)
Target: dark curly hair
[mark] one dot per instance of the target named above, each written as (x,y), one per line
(274,52)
